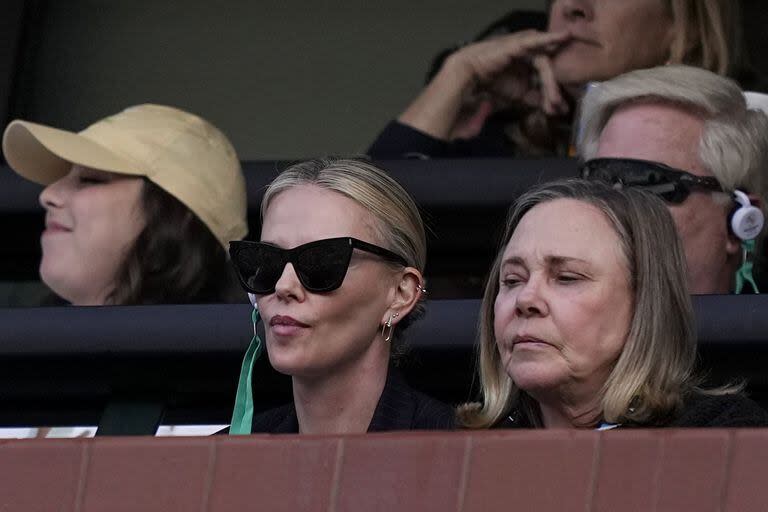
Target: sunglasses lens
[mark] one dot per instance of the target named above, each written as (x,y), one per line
(259,267)
(661,182)
(677,195)
(605,174)
(322,267)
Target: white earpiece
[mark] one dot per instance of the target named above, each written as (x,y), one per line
(747,220)
(252,298)
(756,101)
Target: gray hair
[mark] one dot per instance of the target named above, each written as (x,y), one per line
(655,368)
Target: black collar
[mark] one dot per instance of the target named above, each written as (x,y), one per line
(394,411)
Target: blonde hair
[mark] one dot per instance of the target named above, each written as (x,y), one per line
(707,34)
(655,369)
(398,222)
(734,141)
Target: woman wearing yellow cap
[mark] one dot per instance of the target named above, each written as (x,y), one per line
(139,206)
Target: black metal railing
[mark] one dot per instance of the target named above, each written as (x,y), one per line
(127,369)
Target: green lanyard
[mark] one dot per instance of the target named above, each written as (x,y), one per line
(744,274)
(242,415)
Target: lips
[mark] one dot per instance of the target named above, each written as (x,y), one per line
(584,40)
(282,320)
(51,226)
(526,340)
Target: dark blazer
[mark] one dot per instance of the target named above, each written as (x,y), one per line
(399,140)
(699,410)
(400,407)
(720,411)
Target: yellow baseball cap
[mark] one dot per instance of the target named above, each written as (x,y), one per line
(180,152)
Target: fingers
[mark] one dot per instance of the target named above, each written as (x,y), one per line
(532,41)
(552,101)
(512,69)
(486,59)
(523,45)
(472,121)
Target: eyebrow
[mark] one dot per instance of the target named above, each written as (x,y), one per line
(554,261)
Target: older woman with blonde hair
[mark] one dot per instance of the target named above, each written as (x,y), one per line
(586,320)
(512,92)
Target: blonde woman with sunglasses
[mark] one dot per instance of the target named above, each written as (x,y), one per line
(337,277)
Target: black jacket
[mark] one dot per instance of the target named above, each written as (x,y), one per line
(400,407)
(399,140)
(720,411)
(698,411)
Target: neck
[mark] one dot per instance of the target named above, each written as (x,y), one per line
(721,281)
(563,416)
(95,299)
(574,91)
(343,401)
(566,410)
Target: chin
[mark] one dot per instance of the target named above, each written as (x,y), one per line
(53,280)
(535,378)
(572,78)
(283,364)
(289,362)
(570,72)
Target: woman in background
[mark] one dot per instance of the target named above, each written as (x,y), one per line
(513,94)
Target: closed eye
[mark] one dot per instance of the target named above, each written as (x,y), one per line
(568,278)
(511,281)
(92,176)
(87,180)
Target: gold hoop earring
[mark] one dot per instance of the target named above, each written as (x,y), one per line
(388,328)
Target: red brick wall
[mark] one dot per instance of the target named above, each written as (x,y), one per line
(630,470)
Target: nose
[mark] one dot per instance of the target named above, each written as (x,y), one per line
(574,10)
(55,195)
(288,287)
(530,301)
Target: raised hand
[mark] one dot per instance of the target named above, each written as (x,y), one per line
(485,77)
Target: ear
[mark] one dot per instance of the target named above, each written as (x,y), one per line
(732,244)
(406,294)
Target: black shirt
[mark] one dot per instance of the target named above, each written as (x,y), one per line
(400,407)
(698,410)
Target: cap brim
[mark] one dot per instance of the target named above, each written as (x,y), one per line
(43,154)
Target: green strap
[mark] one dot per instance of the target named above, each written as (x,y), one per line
(242,415)
(744,274)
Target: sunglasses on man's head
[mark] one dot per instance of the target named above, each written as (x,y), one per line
(320,265)
(672,185)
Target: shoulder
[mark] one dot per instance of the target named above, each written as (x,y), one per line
(516,418)
(729,410)
(401,407)
(280,420)
(432,414)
